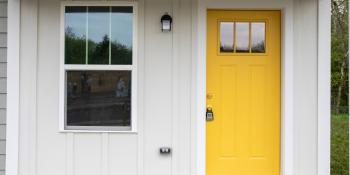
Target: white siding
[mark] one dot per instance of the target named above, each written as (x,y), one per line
(3,55)
(305,87)
(2,132)
(3,37)
(2,85)
(304,28)
(164,122)
(2,116)
(2,147)
(2,101)
(3,25)
(158,50)
(2,160)
(3,70)
(164,97)
(3,9)
(3,60)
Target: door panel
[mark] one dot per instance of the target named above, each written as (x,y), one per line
(243,89)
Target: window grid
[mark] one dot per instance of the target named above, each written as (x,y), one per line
(110,36)
(87,36)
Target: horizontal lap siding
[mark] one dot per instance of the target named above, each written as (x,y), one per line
(3,90)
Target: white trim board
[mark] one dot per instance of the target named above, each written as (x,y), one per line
(12,133)
(199,79)
(324,77)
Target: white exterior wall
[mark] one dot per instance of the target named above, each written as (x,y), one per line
(165,102)
(163,106)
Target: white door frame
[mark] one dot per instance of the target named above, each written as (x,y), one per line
(324,87)
(287,92)
(13,66)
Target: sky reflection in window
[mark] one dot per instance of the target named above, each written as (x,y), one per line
(226,36)
(242,37)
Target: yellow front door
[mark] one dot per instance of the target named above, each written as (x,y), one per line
(243,92)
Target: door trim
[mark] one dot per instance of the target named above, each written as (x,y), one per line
(324,88)
(199,77)
(13,85)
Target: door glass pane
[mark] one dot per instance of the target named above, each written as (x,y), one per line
(226,36)
(258,37)
(121,35)
(98,98)
(242,37)
(98,33)
(75,35)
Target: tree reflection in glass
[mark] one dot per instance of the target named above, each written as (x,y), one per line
(98,33)
(75,35)
(121,34)
(98,98)
(258,37)
(109,31)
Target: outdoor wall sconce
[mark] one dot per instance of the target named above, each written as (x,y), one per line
(166,21)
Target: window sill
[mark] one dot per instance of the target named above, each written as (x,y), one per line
(97,131)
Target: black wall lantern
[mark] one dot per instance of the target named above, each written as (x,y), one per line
(166,21)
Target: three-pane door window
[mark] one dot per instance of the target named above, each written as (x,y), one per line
(242,37)
(99,68)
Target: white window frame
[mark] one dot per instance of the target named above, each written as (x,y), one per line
(69,67)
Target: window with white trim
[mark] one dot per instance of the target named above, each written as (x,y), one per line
(99,68)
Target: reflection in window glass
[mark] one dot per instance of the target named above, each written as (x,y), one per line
(98,98)
(121,35)
(242,37)
(98,33)
(75,35)
(226,36)
(258,37)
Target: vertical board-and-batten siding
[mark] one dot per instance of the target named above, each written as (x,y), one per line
(164,96)
(163,112)
(3,63)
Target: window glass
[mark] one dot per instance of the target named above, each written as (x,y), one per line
(75,35)
(226,36)
(258,37)
(242,37)
(121,35)
(98,33)
(98,98)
